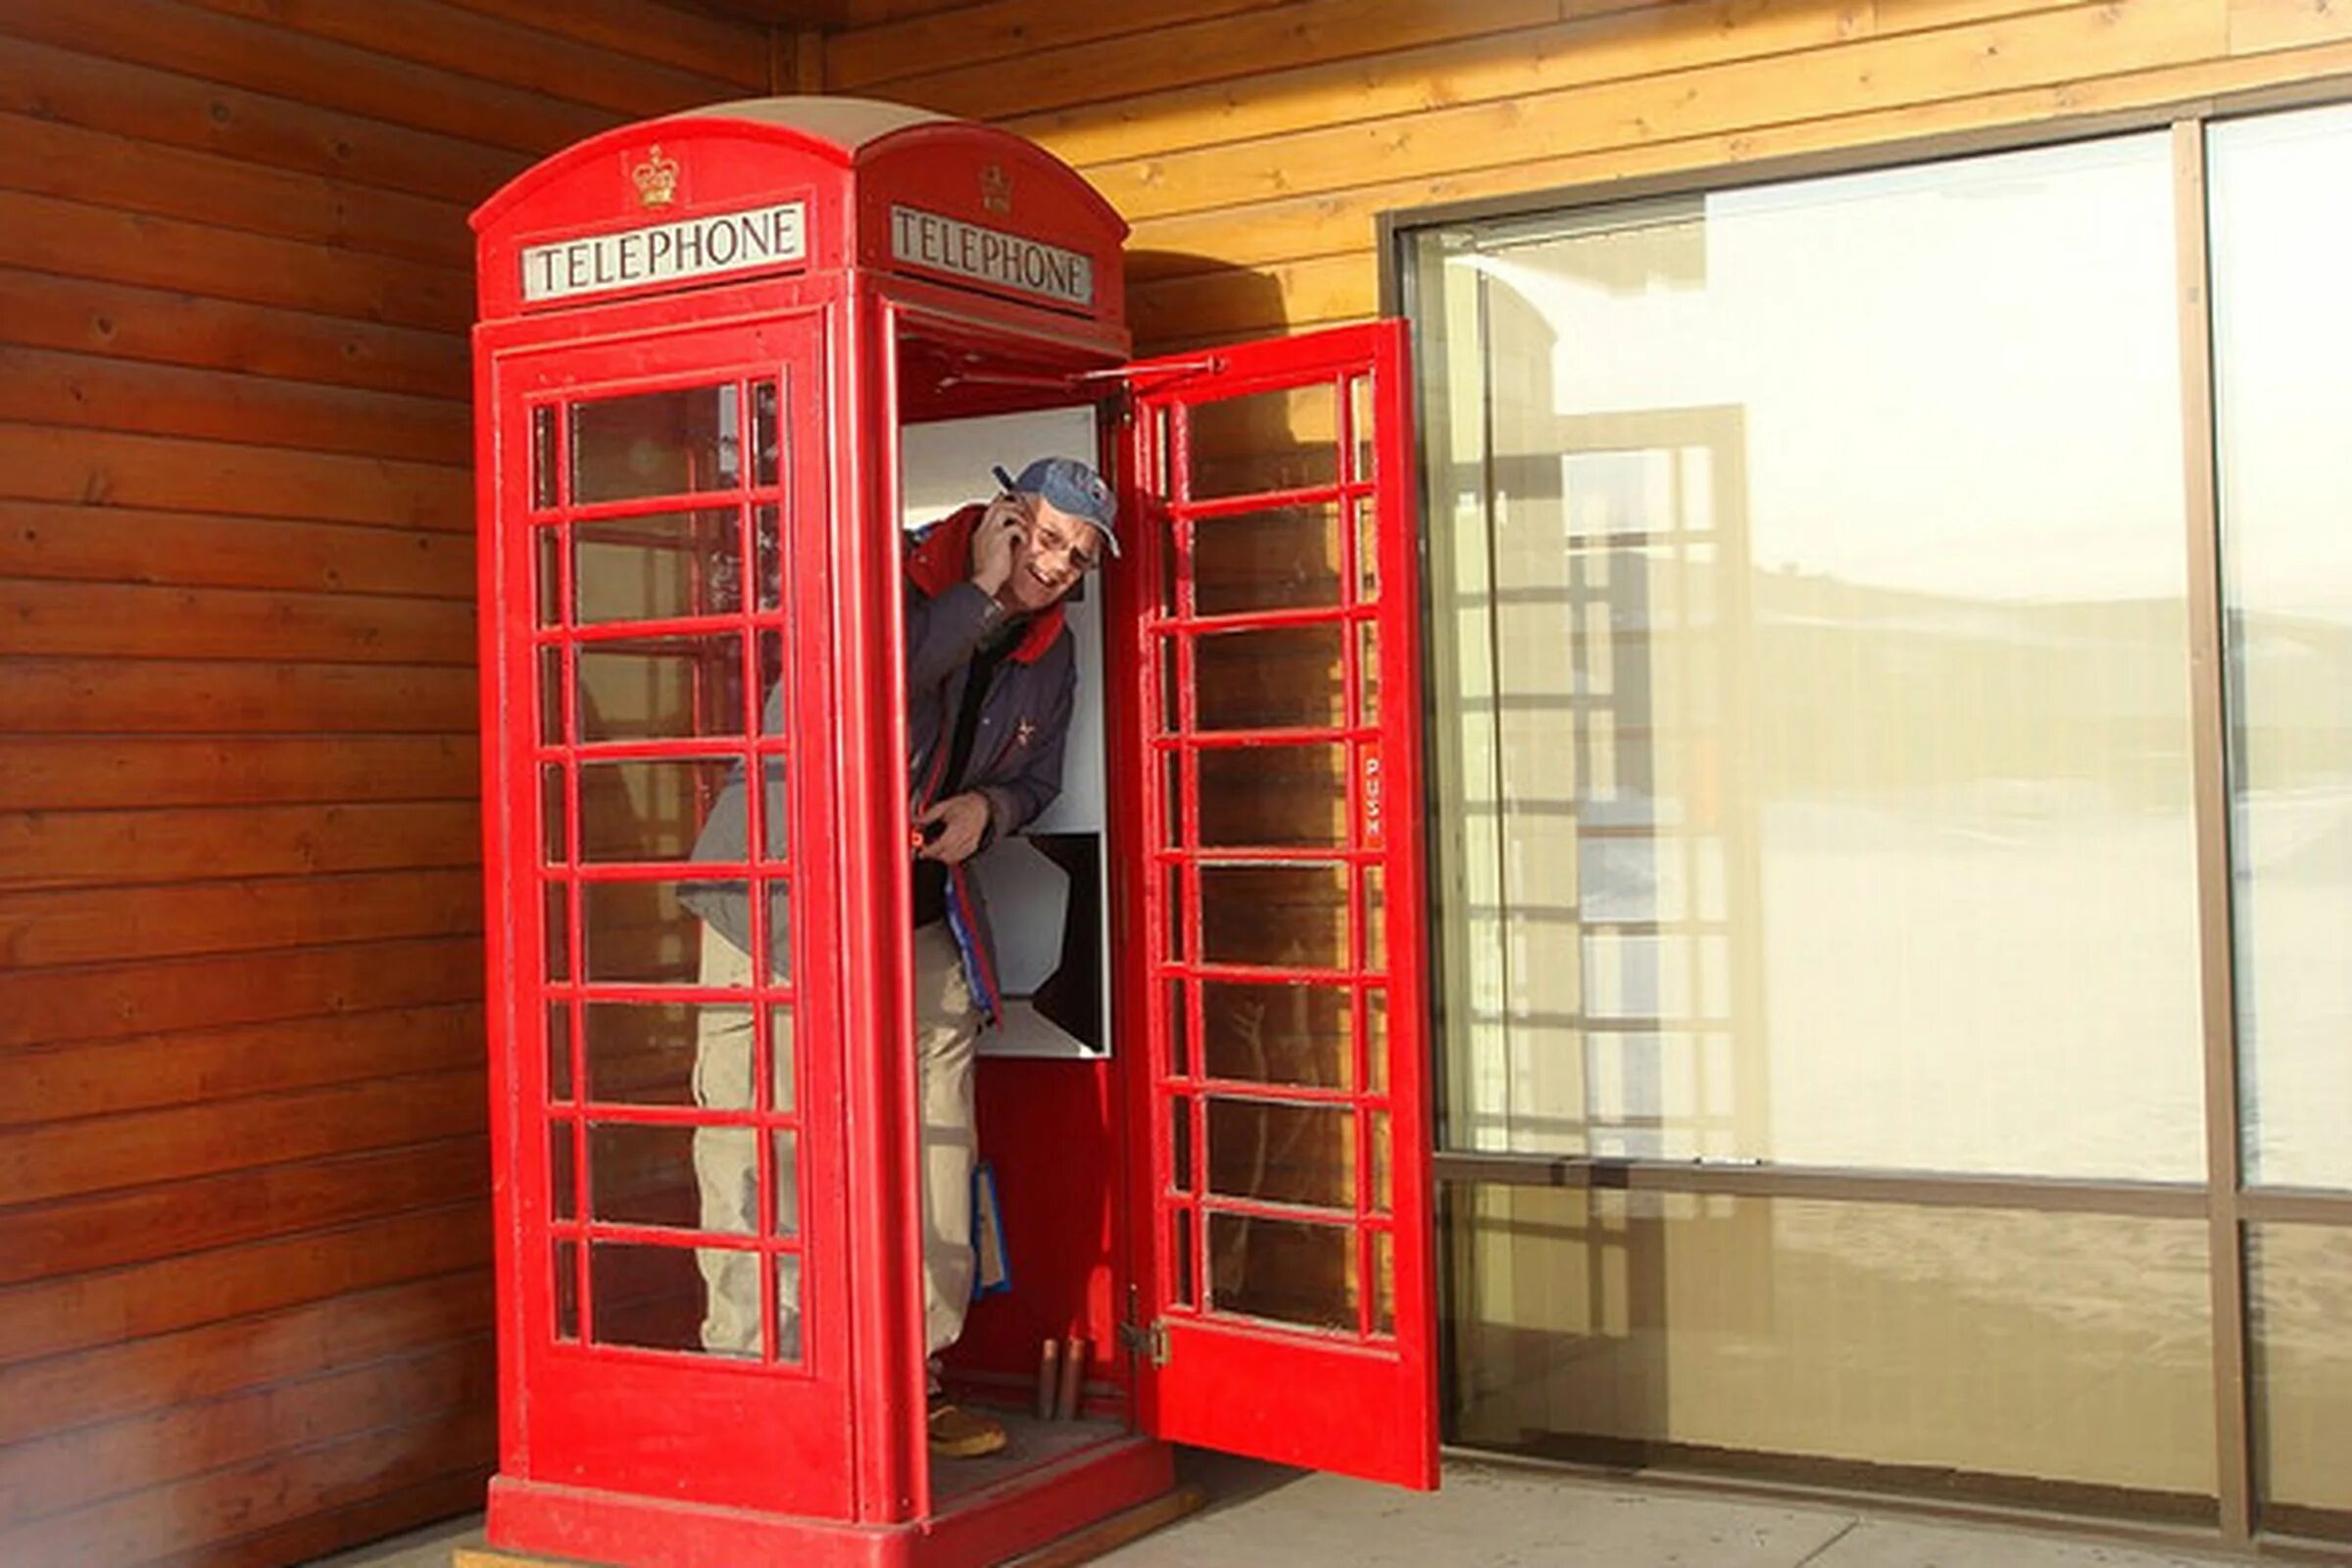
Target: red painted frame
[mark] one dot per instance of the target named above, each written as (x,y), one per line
(1360,1401)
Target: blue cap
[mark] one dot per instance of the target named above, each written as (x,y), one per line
(1068,486)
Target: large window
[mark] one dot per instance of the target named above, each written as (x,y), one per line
(1815,593)
(1847,838)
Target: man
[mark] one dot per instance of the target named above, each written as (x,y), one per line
(990,676)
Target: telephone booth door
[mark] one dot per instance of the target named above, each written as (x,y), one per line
(685,1333)
(1282,1195)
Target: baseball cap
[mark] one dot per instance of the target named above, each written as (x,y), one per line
(1071,486)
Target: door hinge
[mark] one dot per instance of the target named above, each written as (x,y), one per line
(1146,1340)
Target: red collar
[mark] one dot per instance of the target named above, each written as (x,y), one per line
(941,557)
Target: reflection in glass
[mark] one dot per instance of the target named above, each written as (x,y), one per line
(1180,1144)
(558,1052)
(568,1290)
(1845,603)
(655,444)
(556,901)
(661,688)
(785,1212)
(655,566)
(547,549)
(2299,1294)
(788,1308)
(1279,1034)
(1286,677)
(643,1053)
(556,838)
(551,696)
(651,809)
(543,456)
(647,1297)
(642,1175)
(1274,1152)
(1284,440)
(2280,185)
(767,443)
(639,933)
(1288,1270)
(1180,1226)
(2028,1349)
(1274,797)
(1287,917)
(1283,559)
(562,1172)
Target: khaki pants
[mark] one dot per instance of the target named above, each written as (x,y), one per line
(946,1029)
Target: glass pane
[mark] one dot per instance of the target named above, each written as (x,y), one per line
(568,1290)
(1376,1040)
(1376,921)
(766,445)
(1288,677)
(651,1297)
(1856,593)
(2283,364)
(655,444)
(767,536)
(1367,674)
(1384,1174)
(650,809)
(1180,1228)
(543,456)
(1274,797)
(1384,1283)
(1180,1033)
(1283,559)
(2026,1351)
(558,1052)
(645,1175)
(551,696)
(1367,551)
(1361,421)
(645,1053)
(1266,441)
(1171,567)
(661,688)
(656,567)
(783,1072)
(788,1308)
(2299,1289)
(547,573)
(1179,922)
(556,900)
(786,1154)
(1285,1269)
(1279,1034)
(1280,1154)
(562,1172)
(556,845)
(1180,1144)
(1287,916)
(640,933)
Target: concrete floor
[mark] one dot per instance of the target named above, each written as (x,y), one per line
(1494,1516)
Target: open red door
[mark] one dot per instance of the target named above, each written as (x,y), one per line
(1282,1193)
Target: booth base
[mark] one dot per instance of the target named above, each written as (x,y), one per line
(1057,1514)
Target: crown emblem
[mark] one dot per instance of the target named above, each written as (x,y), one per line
(656,179)
(996,188)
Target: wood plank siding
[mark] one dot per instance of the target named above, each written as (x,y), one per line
(244,1240)
(1252,145)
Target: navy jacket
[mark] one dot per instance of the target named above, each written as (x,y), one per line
(1015,761)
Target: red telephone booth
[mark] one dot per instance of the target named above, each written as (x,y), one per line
(710,349)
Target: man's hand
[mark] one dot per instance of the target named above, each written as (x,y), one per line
(962,820)
(997,543)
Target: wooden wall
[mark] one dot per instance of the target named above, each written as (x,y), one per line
(1252,144)
(244,1298)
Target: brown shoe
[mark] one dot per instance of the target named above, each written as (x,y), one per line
(959,1434)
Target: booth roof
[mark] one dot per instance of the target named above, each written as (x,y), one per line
(849,123)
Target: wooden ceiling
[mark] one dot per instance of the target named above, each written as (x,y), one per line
(826,16)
